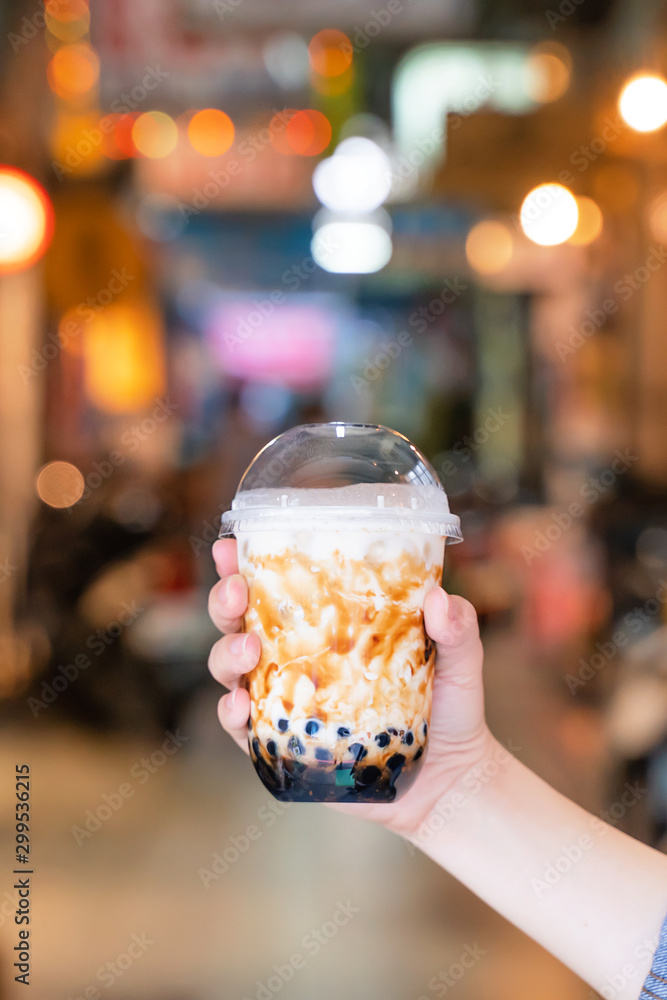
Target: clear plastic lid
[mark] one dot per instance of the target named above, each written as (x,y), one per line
(343,476)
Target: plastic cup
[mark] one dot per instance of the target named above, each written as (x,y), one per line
(341,532)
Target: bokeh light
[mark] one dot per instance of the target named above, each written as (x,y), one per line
(155,134)
(351,247)
(357,178)
(548,74)
(286,60)
(549,214)
(330,52)
(643,103)
(26,220)
(211,132)
(59,484)
(77,143)
(124,357)
(308,133)
(120,144)
(590,222)
(68,20)
(657,218)
(489,247)
(73,71)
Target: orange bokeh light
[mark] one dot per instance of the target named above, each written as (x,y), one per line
(26,220)
(308,133)
(330,52)
(73,71)
(65,10)
(155,134)
(211,132)
(122,136)
(67,20)
(59,484)
(123,355)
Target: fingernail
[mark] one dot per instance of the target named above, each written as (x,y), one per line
(227,593)
(444,601)
(232,699)
(237,644)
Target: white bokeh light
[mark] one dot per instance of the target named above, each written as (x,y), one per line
(357,178)
(643,103)
(351,247)
(549,214)
(24,219)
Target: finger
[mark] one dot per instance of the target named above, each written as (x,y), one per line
(227,603)
(451,622)
(233,656)
(233,712)
(225,557)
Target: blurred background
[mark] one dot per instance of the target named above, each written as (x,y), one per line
(221,218)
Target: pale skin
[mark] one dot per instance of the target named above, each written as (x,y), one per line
(589,894)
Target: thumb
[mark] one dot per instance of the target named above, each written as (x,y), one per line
(451,622)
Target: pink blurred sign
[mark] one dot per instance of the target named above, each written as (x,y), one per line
(269,337)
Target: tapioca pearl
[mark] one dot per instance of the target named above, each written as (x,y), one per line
(408,738)
(342,732)
(392,731)
(255,746)
(419,753)
(321,753)
(358,751)
(296,746)
(367,775)
(312,727)
(271,748)
(383,739)
(425,727)
(249,723)
(396,761)
(283,725)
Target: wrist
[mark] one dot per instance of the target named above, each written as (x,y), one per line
(458,778)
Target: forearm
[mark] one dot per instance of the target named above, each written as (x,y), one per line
(592,896)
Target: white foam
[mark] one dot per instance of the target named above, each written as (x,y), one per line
(324,546)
